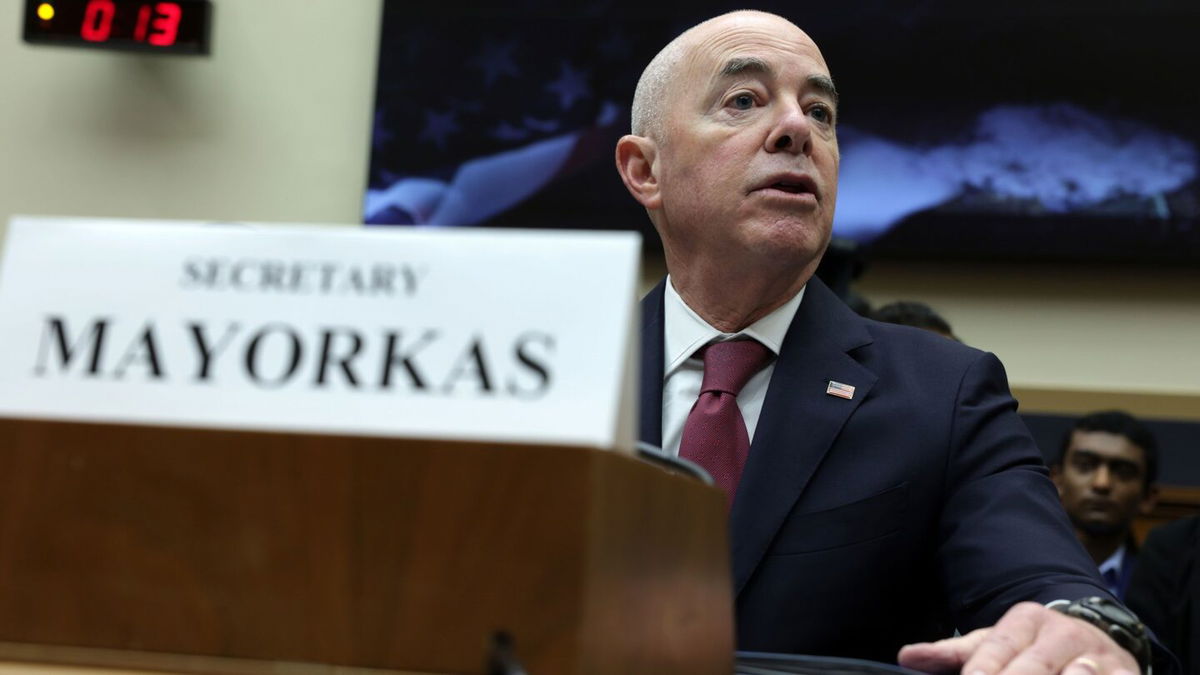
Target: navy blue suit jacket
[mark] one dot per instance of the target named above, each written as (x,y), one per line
(919,506)
(1165,591)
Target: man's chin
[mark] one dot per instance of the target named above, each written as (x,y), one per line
(795,242)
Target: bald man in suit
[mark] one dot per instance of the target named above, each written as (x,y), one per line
(889,494)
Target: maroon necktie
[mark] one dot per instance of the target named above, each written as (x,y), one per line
(714,435)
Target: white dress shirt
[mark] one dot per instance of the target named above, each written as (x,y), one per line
(685,332)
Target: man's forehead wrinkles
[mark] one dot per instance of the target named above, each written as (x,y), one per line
(753,65)
(785,38)
(731,53)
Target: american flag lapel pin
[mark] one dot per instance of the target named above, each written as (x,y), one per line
(840,390)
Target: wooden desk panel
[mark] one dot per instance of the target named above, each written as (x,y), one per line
(363,552)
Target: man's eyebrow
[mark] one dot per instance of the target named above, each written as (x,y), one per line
(745,64)
(824,84)
(1084,453)
(751,64)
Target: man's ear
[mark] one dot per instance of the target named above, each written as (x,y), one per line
(636,163)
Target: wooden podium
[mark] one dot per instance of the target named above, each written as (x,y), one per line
(371,553)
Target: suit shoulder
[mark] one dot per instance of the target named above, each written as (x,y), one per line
(1177,536)
(920,345)
(911,359)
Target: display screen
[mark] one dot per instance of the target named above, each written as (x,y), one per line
(1017,130)
(180,27)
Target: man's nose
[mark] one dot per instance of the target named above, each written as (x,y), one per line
(1102,479)
(792,132)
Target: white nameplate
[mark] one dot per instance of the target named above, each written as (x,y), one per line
(505,335)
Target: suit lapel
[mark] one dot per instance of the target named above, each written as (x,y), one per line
(651,376)
(799,421)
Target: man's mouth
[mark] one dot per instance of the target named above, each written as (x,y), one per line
(1099,505)
(790,183)
(794,188)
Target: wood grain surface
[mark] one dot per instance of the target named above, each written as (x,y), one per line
(362,552)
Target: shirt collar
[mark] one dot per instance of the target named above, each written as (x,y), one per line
(684,331)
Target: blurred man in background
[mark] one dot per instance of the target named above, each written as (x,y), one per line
(1105,476)
(916,314)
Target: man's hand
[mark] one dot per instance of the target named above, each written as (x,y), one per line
(1029,638)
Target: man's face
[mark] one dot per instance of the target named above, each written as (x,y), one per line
(748,161)
(1102,482)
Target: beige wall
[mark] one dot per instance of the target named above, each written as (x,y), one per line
(1124,331)
(274,125)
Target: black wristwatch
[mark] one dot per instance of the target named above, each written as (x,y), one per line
(1118,623)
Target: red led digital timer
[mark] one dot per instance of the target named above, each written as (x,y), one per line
(178,26)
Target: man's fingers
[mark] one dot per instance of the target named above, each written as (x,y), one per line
(1057,646)
(1013,634)
(1029,640)
(942,656)
(1101,665)
(1082,665)
(1069,646)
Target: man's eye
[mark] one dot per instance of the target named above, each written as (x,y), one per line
(742,102)
(821,114)
(1085,464)
(1125,471)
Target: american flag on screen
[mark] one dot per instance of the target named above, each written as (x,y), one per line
(477,110)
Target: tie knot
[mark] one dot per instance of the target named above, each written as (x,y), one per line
(728,366)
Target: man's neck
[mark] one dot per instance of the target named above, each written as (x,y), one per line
(731,302)
(1100,548)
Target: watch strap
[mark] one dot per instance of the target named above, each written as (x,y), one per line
(1117,622)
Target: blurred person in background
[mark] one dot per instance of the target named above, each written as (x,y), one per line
(1105,475)
(916,314)
(1165,589)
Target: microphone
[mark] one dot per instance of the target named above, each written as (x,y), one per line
(655,455)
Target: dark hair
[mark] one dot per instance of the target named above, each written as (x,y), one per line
(1119,423)
(912,313)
